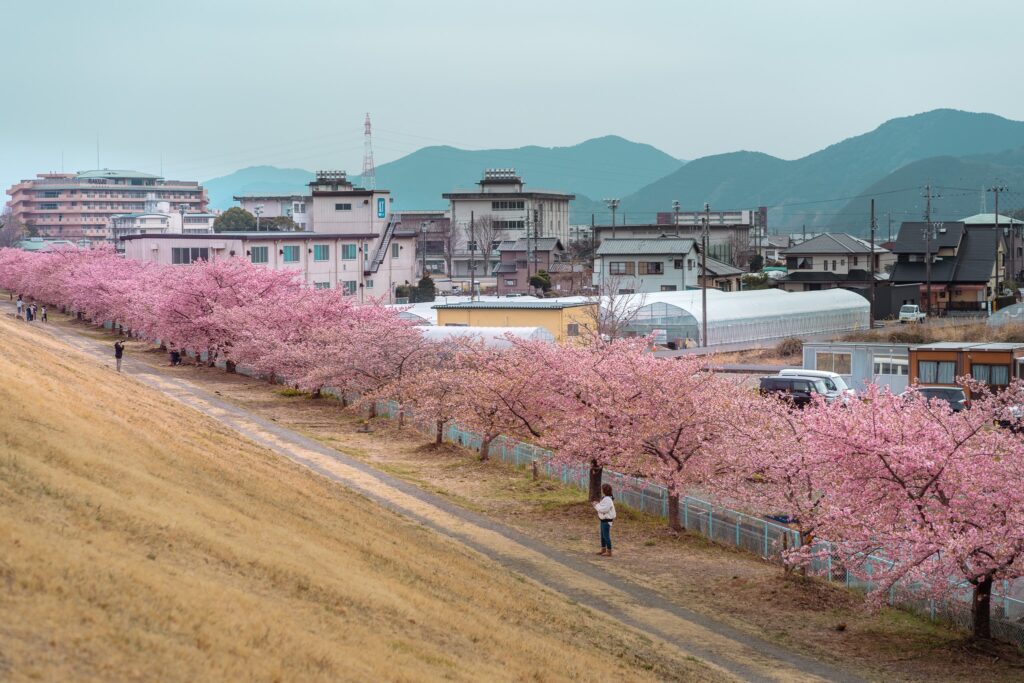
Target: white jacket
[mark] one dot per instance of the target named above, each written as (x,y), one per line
(605,509)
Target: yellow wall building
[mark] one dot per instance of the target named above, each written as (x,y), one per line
(563,320)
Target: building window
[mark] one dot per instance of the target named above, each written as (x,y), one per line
(834,362)
(825,266)
(342,207)
(322,285)
(834,265)
(936,372)
(854,260)
(348,287)
(321,252)
(891,366)
(348,252)
(678,264)
(291,254)
(508,206)
(572,329)
(258,254)
(621,268)
(369,284)
(509,225)
(993,375)
(627,291)
(299,208)
(510,283)
(668,288)
(395,249)
(652,268)
(186,255)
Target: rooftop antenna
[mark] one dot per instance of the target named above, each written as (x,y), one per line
(369,171)
(984,201)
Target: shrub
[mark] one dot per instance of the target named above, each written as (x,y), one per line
(790,346)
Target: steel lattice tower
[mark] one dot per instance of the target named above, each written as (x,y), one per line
(369,176)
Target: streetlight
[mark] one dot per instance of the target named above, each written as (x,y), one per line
(259,212)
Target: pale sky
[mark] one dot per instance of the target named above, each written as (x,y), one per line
(216,85)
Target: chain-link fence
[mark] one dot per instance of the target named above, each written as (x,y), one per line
(754,534)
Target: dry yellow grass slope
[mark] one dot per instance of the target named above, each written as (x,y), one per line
(142,541)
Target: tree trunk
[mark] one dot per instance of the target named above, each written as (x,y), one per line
(485,448)
(229,366)
(439,437)
(596,471)
(401,417)
(673,512)
(982,609)
(373,409)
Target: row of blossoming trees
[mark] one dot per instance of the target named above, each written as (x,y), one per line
(937,493)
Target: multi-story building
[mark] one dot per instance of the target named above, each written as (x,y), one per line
(158,219)
(435,245)
(357,245)
(660,264)
(81,205)
(729,243)
(294,206)
(501,210)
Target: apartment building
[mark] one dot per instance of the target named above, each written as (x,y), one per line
(501,210)
(294,206)
(81,205)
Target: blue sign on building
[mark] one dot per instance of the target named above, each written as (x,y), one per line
(381,207)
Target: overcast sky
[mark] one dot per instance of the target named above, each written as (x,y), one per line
(215,85)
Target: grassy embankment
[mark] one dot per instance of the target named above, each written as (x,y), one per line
(140,540)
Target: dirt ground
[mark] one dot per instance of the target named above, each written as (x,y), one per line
(819,619)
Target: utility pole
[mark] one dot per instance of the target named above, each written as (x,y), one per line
(703,271)
(928,247)
(536,231)
(472,256)
(423,249)
(874,226)
(675,209)
(890,224)
(613,204)
(258,211)
(593,260)
(995,189)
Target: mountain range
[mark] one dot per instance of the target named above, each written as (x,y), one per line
(957,152)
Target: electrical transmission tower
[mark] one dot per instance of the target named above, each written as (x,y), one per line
(369,177)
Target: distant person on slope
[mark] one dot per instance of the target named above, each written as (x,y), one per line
(43,317)
(118,353)
(20,305)
(606,513)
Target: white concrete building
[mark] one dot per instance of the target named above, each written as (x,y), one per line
(294,206)
(658,264)
(157,218)
(502,210)
(357,246)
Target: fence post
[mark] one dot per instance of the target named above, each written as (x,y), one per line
(847,578)
(1006,599)
(765,539)
(830,566)
(686,509)
(711,523)
(737,532)
(931,608)
(664,507)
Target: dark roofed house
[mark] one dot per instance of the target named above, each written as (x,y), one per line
(963,264)
(718,275)
(521,258)
(832,260)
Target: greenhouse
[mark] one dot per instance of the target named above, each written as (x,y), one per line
(737,317)
(494,337)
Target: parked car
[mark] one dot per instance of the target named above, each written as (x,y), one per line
(799,390)
(1012,418)
(834,382)
(911,313)
(954,396)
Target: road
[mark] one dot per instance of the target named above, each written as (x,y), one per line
(722,647)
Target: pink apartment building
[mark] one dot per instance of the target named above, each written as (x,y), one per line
(356,244)
(81,205)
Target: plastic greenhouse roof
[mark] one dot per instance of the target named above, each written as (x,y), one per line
(761,304)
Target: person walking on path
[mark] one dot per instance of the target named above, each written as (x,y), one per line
(118,353)
(20,305)
(28,314)
(43,318)
(606,513)
(35,310)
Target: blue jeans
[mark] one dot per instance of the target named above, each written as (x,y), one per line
(606,534)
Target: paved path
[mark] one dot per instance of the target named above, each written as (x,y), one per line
(722,647)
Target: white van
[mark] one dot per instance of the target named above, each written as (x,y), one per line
(834,382)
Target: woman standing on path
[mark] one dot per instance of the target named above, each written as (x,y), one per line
(118,353)
(606,513)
